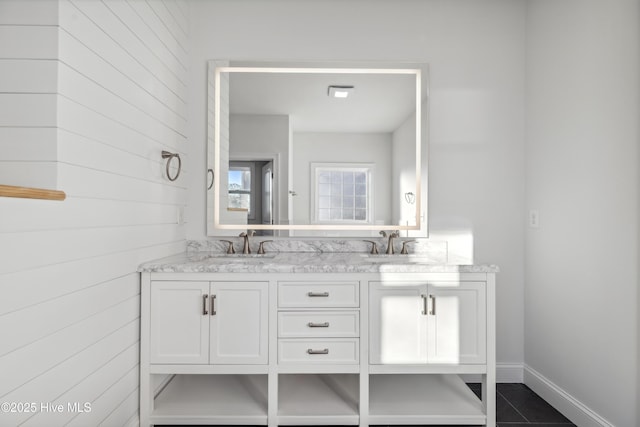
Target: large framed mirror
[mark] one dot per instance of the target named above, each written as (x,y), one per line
(310,149)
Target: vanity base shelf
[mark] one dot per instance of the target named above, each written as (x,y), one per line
(310,399)
(212,399)
(423,399)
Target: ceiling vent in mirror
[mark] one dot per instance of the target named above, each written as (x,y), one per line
(340,91)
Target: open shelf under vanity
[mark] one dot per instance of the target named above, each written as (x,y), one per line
(212,399)
(422,399)
(327,399)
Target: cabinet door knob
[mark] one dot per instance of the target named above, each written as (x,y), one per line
(204,305)
(323,351)
(318,294)
(318,325)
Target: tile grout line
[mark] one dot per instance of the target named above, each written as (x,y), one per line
(511,404)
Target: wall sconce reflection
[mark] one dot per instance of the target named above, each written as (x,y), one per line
(410,198)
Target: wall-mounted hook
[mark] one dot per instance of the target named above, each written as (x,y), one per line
(210,171)
(169,156)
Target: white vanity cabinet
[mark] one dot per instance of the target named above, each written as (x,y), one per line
(197,322)
(315,348)
(420,323)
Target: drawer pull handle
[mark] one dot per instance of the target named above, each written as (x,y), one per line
(323,351)
(204,305)
(213,305)
(318,325)
(424,304)
(318,294)
(433,305)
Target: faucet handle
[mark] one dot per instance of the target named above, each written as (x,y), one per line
(374,247)
(230,249)
(383,233)
(261,246)
(404,250)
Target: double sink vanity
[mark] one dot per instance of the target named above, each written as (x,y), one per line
(315,339)
(321,332)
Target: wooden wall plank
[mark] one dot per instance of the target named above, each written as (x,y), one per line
(25,179)
(128,41)
(78,88)
(167,33)
(78,119)
(131,60)
(28,75)
(84,213)
(28,144)
(32,12)
(75,369)
(44,282)
(93,67)
(28,42)
(132,20)
(27,109)
(22,251)
(63,312)
(20,367)
(178,15)
(83,182)
(101,404)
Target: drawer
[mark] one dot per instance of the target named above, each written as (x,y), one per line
(300,324)
(318,294)
(322,351)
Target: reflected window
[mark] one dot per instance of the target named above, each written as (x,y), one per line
(342,193)
(241,186)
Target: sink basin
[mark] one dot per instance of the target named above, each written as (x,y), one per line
(397,259)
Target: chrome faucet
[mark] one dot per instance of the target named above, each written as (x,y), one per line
(246,249)
(391,236)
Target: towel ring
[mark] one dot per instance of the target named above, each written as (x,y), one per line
(167,155)
(410,197)
(210,171)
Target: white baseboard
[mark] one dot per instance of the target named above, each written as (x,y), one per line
(509,373)
(579,413)
(505,373)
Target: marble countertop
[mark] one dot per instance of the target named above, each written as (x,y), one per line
(291,262)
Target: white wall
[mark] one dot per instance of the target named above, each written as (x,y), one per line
(70,292)
(476,57)
(582,175)
(28,87)
(327,147)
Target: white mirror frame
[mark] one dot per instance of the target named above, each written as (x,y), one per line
(350,227)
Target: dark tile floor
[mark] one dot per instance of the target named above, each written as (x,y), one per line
(518,406)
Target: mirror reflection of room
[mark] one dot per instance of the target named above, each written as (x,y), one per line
(339,145)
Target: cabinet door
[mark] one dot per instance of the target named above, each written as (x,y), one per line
(457,323)
(398,327)
(239,323)
(179,327)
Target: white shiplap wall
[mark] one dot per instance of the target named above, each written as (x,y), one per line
(28,86)
(69,311)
